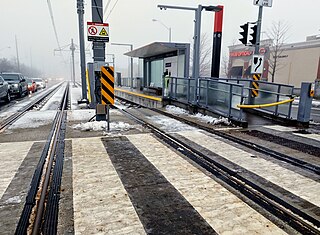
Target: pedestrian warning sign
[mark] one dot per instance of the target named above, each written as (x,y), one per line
(98,32)
(103,32)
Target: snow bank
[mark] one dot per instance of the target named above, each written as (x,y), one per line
(101,126)
(204,118)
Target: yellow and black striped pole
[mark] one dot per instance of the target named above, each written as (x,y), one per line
(255,85)
(107,85)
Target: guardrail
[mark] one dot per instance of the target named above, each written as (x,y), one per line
(217,96)
(268,93)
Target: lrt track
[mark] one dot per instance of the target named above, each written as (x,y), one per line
(40,212)
(290,214)
(14,117)
(314,169)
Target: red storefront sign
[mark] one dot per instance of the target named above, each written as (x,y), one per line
(240,53)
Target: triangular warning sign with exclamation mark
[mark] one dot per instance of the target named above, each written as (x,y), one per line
(103,32)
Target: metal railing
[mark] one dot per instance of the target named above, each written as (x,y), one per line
(267,93)
(217,96)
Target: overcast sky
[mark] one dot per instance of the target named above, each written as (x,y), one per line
(131,22)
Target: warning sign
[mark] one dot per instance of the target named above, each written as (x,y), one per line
(103,32)
(98,32)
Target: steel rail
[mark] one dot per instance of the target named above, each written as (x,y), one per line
(296,218)
(256,147)
(36,198)
(41,203)
(14,117)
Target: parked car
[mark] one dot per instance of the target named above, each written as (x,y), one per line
(32,86)
(4,90)
(17,83)
(41,84)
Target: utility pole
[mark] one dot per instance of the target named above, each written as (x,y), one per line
(80,11)
(73,48)
(259,22)
(18,62)
(97,16)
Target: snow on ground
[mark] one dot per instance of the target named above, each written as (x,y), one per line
(81,114)
(204,118)
(76,94)
(54,102)
(86,114)
(169,124)
(102,126)
(22,103)
(34,119)
(315,103)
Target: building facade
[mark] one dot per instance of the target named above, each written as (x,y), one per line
(297,62)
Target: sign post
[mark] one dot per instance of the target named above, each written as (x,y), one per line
(107,88)
(256,71)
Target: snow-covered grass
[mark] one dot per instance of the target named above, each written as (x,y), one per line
(203,118)
(102,126)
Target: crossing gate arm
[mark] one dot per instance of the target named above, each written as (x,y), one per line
(252,106)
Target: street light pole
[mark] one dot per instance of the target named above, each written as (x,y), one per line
(168,28)
(259,22)
(131,60)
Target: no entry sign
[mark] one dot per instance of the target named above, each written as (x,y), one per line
(98,32)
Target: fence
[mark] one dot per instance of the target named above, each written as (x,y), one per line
(217,96)
(268,93)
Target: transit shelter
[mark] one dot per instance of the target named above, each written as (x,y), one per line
(160,59)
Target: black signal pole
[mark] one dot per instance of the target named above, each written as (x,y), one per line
(217,38)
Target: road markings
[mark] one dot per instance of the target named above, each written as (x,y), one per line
(226,213)
(101,204)
(308,189)
(281,128)
(11,157)
(310,136)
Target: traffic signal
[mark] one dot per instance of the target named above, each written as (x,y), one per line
(244,34)
(253,35)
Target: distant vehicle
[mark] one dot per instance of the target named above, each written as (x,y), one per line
(17,83)
(41,84)
(32,86)
(4,90)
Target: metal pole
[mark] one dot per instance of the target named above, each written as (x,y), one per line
(131,65)
(82,49)
(216,48)
(196,53)
(72,48)
(97,17)
(17,51)
(170,34)
(259,22)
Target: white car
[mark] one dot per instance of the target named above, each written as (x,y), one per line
(41,84)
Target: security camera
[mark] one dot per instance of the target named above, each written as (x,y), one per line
(160,8)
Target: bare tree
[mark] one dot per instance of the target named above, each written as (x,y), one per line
(11,66)
(205,56)
(225,65)
(278,34)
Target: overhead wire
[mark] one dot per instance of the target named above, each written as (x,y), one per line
(106,7)
(112,9)
(53,23)
(55,30)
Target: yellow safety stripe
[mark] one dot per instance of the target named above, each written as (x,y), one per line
(141,95)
